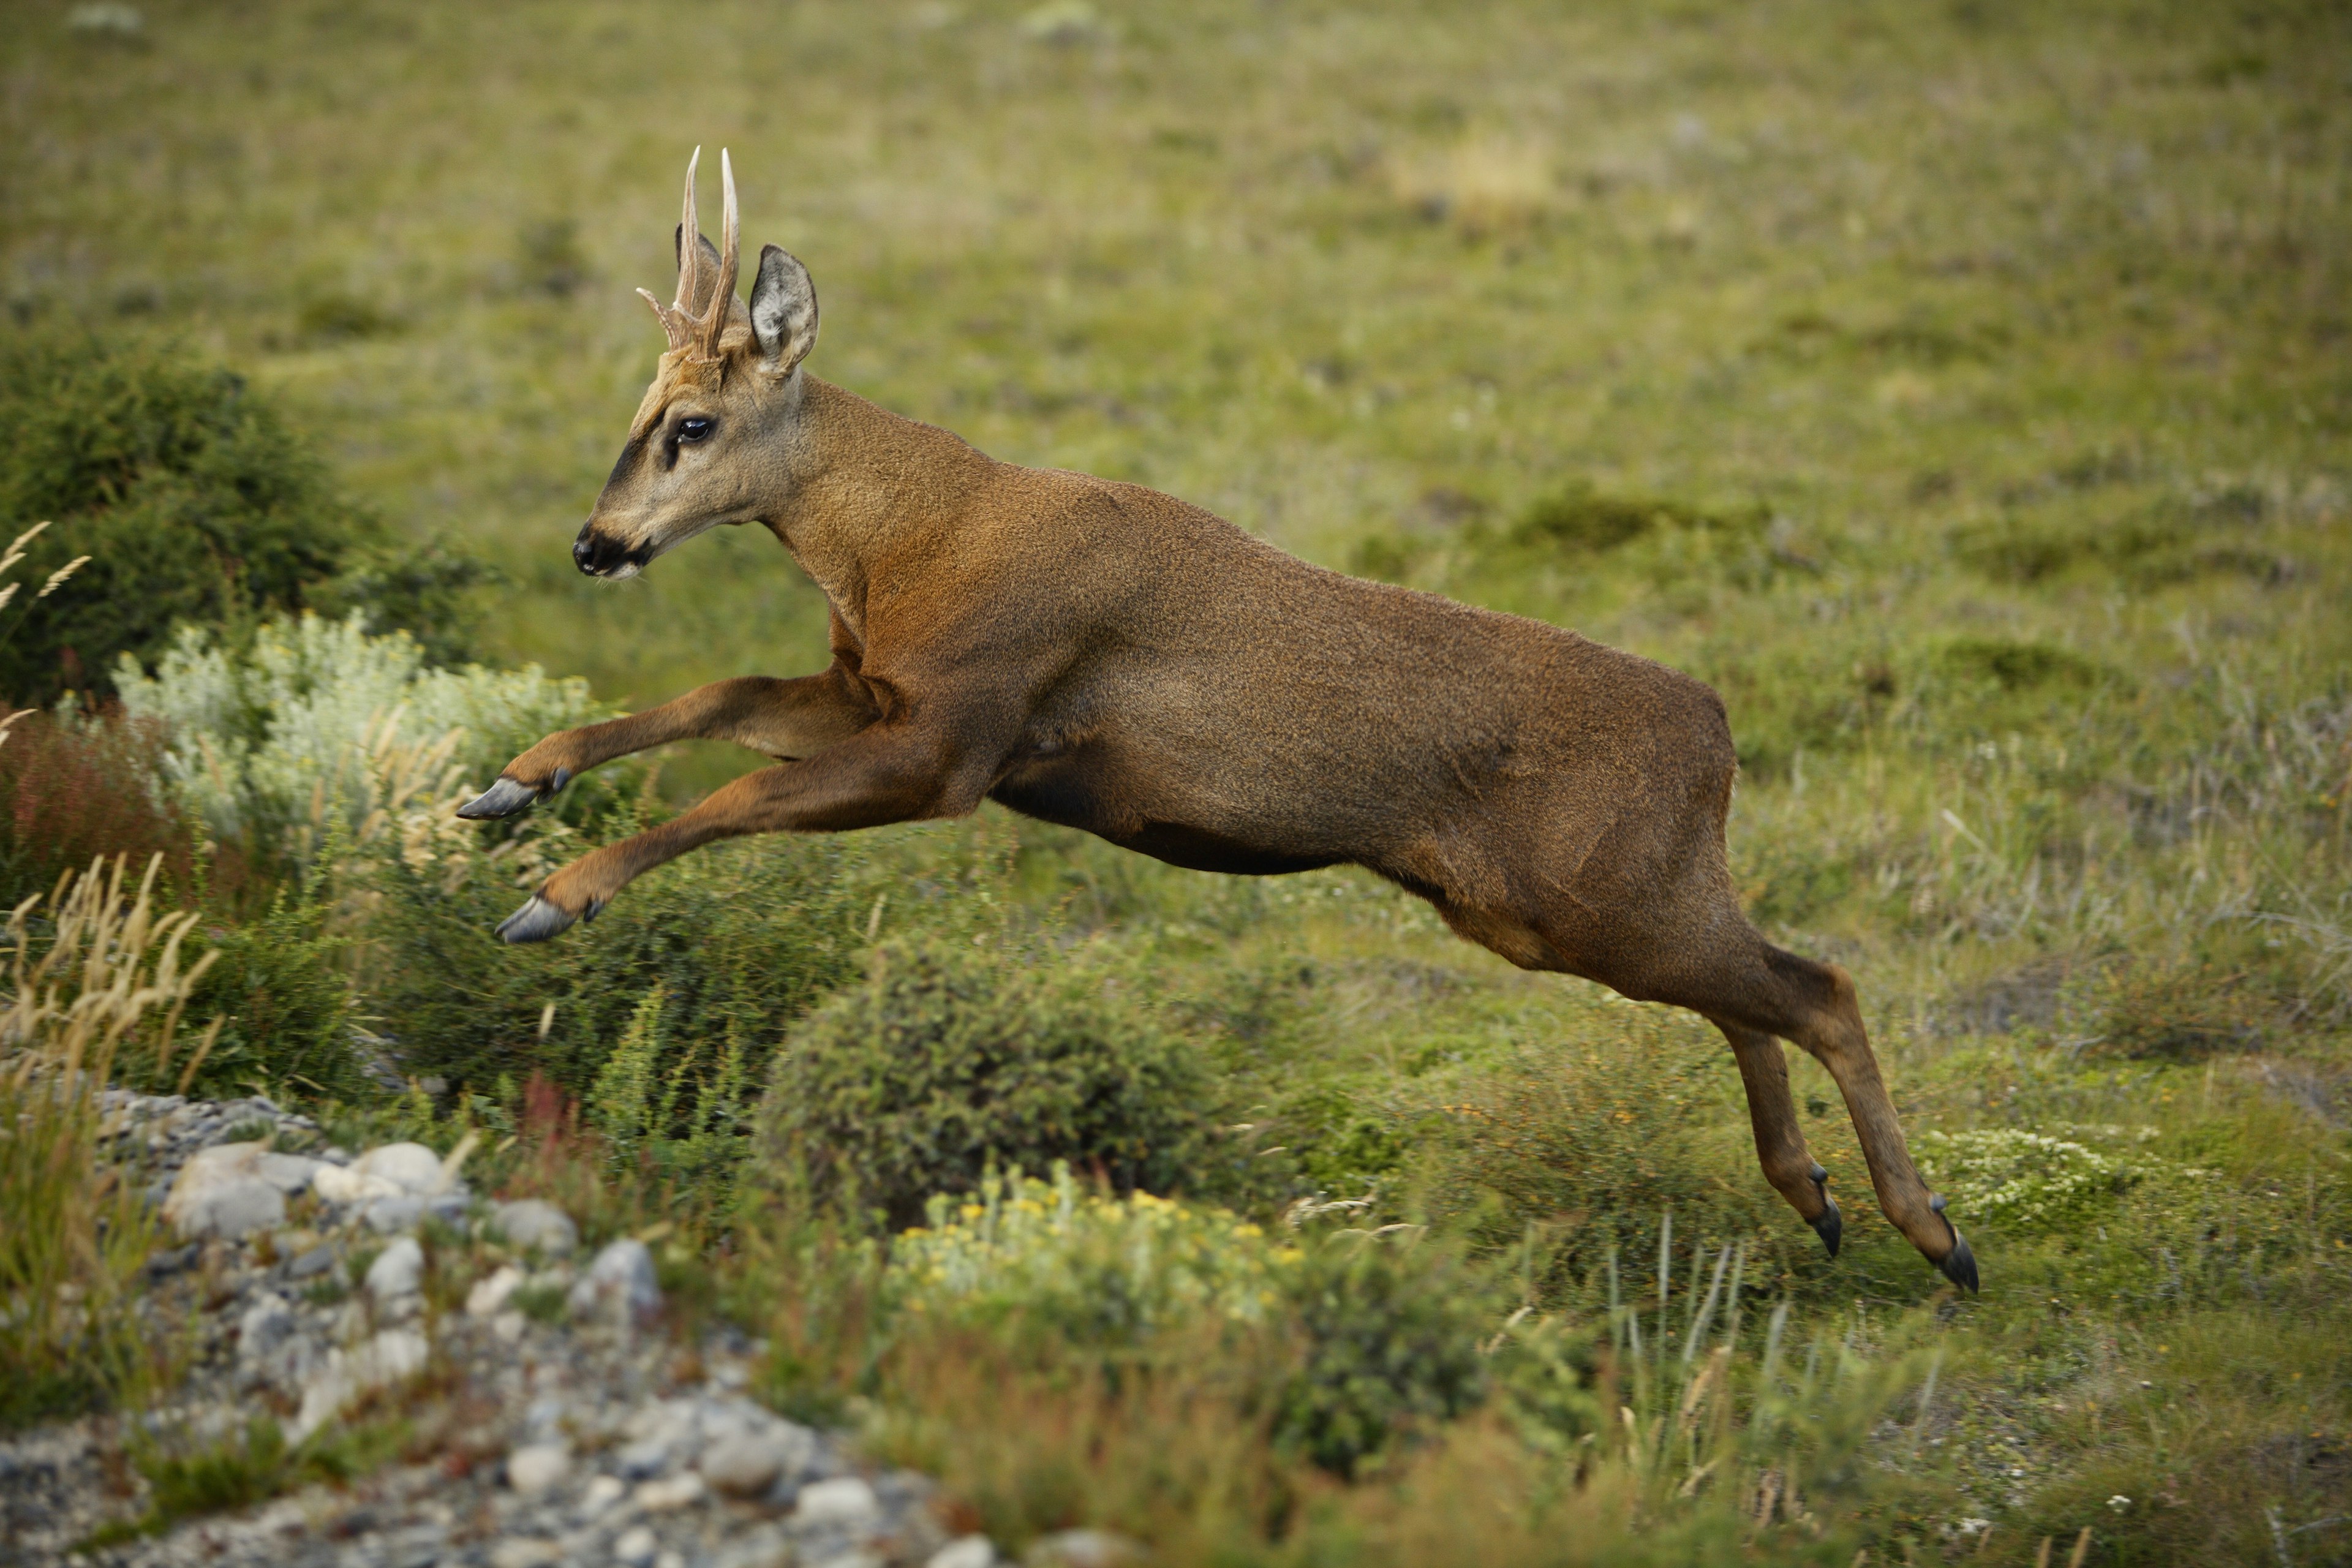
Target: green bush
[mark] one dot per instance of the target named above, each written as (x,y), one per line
(948,1060)
(661,1014)
(194,501)
(1087,1269)
(1388,1343)
(282,989)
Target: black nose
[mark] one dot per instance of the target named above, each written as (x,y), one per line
(584,553)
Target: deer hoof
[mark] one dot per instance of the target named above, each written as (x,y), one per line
(535,921)
(1829,1224)
(1960,1265)
(503,798)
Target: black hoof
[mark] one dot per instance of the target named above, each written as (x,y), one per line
(1827,1225)
(1960,1265)
(506,797)
(535,921)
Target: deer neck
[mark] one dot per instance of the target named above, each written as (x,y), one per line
(865,491)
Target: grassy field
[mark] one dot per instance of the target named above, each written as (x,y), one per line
(1965,390)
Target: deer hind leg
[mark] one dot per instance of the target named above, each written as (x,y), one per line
(1781,1148)
(1814,1005)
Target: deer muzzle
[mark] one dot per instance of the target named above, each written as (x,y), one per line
(600,556)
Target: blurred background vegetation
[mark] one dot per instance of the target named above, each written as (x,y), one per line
(1962,388)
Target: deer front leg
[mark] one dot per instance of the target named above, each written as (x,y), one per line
(780,718)
(885,772)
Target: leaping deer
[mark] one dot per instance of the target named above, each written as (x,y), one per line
(1103,656)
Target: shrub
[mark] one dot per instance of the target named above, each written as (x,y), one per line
(275,743)
(2026,1181)
(662,1015)
(948,1060)
(1388,1345)
(195,502)
(280,983)
(1086,1267)
(1591,1143)
(76,789)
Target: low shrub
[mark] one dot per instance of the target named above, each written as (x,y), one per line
(1086,1267)
(278,741)
(661,1015)
(75,789)
(195,501)
(949,1060)
(1387,1345)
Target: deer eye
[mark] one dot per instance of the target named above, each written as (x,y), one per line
(693,429)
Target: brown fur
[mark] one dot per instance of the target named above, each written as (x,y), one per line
(1103,656)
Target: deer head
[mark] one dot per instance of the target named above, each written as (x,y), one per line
(712,441)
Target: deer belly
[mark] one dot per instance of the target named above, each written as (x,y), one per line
(1079,790)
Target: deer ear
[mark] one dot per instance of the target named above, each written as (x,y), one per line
(783,310)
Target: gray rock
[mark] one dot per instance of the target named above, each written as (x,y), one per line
(233,1209)
(745,1464)
(289,1173)
(386,1216)
(619,1284)
(764,1547)
(844,1501)
(536,1225)
(637,1548)
(311,1264)
(969,1551)
(265,1325)
(398,1270)
(535,1467)
(162,1264)
(525,1552)
(411,1166)
(1083,1549)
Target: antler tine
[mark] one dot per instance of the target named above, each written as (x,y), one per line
(731,250)
(689,244)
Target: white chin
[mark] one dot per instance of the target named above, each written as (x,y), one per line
(623,573)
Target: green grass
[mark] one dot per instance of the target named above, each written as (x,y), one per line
(1962,389)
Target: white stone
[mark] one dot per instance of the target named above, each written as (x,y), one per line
(399,1213)
(535,1467)
(845,1500)
(619,1284)
(536,1225)
(508,1326)
(411,1167)
(602,1493)
(636,1548)
(1084,1548)
(397,1270)
(392,1356)
(488,1296)
(525,1552)
(969,1551)
(221,1192)
(341,1184)
(671,1492)
(289,1173)
(744,1465)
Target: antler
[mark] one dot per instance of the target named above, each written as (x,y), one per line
(686,329)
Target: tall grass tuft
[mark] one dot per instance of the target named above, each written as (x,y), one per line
(96,992)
